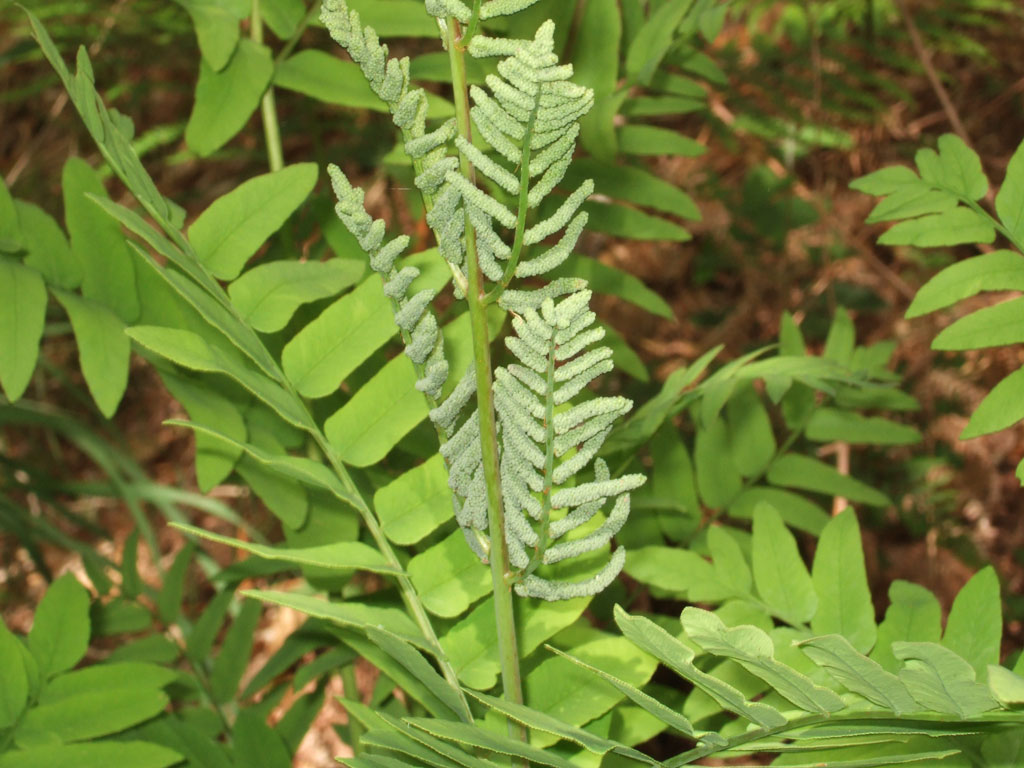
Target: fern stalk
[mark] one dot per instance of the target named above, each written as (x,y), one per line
(501,582)
(268,104)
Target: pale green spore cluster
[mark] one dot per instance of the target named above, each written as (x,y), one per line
(545,446)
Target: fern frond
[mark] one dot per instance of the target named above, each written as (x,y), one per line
(542,450)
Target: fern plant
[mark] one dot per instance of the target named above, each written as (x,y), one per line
(296,391)
(940,205)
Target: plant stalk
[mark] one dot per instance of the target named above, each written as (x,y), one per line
(268,105)
(501,577)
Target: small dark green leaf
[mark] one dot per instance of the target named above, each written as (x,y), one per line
(172,591)
(841,583)
(104,350)
(13,678)
(995,326)
(233,658)
(60,630)
(22,317)
(779,572)
(225,100)
(974,627)
(232,229)
(809,474)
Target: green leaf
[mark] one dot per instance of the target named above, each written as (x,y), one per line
(564,691)
(415,503)
(730,564)
(753,649)
(46,248)
(256,744)
(233,658)
(541,721)
(974,627)
(718,479)
(1010,200)
(108,269)
(109,675)
(614,282)
(190,350)
(91,715)
(751,438)
(596,66)
(956,227)
(449,577)
(996,271)
(841,583)
(679,658)
(284,497)
(859,673)
(350,613)
(942,681)
(418,667)
(1006,686)
(378,416)
(841,339)
(338,555)
(633,185)
(622,221)
(216,30)
(652,414)
(22,317)
(914,614)
(654,39)
(956,167)
(779,571)
(648,703)
(797,471)
(268,294)
(232,229)
(472,644)
(327,350)
(989,327)
(215,458)
(312,473)
(225,100)
(101,754)
(913,200)
(331,80)
(10,230)
(59,636)
(797,511)
(395,18)
(283,16)
(169,598)
(320,356)
(670,569)
(885,181)
(832,424)
(1002,408)
(639,139)
(199,643)
(474,736)
(13,678)
(104,350)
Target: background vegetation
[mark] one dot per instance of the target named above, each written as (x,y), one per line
(732,225)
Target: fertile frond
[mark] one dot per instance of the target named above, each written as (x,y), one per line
(423,342)
(544,447)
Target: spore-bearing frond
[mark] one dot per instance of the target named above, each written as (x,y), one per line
(544,448)
(424,345)
(389,79)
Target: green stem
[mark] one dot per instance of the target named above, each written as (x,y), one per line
(523,209)
(501,578)
(268,105)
